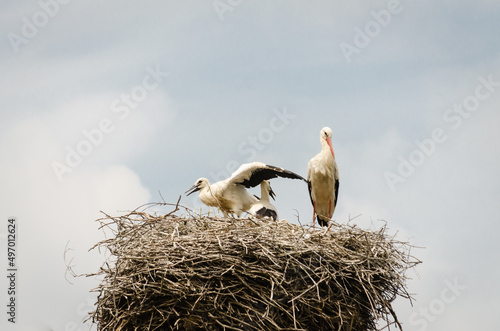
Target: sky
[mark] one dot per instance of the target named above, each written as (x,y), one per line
(110,105)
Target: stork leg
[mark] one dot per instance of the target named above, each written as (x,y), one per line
(330,210)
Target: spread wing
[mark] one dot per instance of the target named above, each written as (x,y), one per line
(252,174)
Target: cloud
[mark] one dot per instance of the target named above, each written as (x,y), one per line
(52,215)
(226,77)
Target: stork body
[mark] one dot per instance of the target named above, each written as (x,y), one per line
(230,195)
(228,198)
(323,180)
(264,208)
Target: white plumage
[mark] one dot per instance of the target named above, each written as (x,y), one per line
(323,180)
(230,195)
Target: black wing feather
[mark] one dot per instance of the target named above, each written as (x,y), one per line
(269,172)
(309,187)
(264,212)
(336,192)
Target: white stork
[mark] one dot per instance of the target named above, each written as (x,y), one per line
(263,207)
(230,195)
(323,180)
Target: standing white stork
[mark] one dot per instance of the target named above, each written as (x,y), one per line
(263,207)
(230,195)
(323,180)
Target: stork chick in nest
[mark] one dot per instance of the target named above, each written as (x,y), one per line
(264,208)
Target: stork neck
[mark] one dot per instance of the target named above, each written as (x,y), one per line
(264,192)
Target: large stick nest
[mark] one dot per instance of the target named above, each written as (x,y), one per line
(199,272)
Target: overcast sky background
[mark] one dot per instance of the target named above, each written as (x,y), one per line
(185,89)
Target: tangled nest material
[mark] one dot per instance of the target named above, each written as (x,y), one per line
(199,272)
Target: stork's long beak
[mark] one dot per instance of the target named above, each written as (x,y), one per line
(329,142)
(193,189)
(271,193)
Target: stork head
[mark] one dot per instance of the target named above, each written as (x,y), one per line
(326,139)
(198,185)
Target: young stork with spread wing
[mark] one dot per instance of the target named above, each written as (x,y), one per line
(231,195)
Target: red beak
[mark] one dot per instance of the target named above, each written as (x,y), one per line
(329,142)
